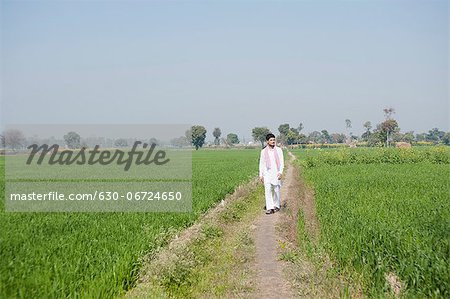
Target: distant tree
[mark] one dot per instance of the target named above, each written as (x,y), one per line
(232,138)
(2,141)
(337,138)
(121,142)
(348,126)
(365,136)
(446,138)
(288,135)
(292,137)
(386,129)
(188,135)
(259,134)
(421,137)
(376,139)
(300,127)
(284,129)
(216,134)
(282,139)
(389,126)
(435,135)
(13,139)
(368,126)
(388,112)
(72,140)
(326,138)
(315,137)
(153,140)
(302,139)
(198,136)
(408,137)
(397,136)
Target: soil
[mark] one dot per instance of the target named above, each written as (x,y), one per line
(271,281)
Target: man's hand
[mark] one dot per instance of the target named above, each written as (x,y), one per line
(261,178)
(279,176)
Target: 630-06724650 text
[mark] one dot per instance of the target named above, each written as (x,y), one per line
(100,195)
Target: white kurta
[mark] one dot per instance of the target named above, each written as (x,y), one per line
(271,182)
(271,175)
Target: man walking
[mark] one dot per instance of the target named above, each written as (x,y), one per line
(271,165)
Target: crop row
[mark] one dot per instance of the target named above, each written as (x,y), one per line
(54,255)
(438,155)
(385,219)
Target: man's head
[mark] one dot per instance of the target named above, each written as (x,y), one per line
(270,138)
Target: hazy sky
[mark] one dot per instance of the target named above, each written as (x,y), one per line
(233,65)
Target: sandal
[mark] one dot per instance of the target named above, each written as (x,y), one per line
(277,209)
(271,211)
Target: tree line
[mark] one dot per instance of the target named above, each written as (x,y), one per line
(383,134)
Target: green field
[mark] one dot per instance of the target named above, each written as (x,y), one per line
(380,211)
(49,255)
(385,211)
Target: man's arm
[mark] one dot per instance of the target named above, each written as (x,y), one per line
(281,161)
(261,165)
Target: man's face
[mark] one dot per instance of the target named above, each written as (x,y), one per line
(271,141)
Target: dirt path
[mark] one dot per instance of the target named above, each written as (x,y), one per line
(271,281)
(237,251)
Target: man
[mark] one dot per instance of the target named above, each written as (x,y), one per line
(271,165)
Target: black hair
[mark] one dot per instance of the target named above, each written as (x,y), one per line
(268,136)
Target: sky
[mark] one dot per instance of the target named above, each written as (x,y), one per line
(228,64)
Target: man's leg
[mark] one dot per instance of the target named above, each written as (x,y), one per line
(269,198)
(277,196)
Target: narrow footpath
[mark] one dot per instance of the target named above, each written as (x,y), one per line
(271,280)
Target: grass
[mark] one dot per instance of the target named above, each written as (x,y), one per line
(380,218)
(97,254)
(221,256)
(214,262)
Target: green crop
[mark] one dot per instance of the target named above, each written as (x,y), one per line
(53,255)
(385,211)
(314,158)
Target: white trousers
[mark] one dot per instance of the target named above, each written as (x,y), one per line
(272,196)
